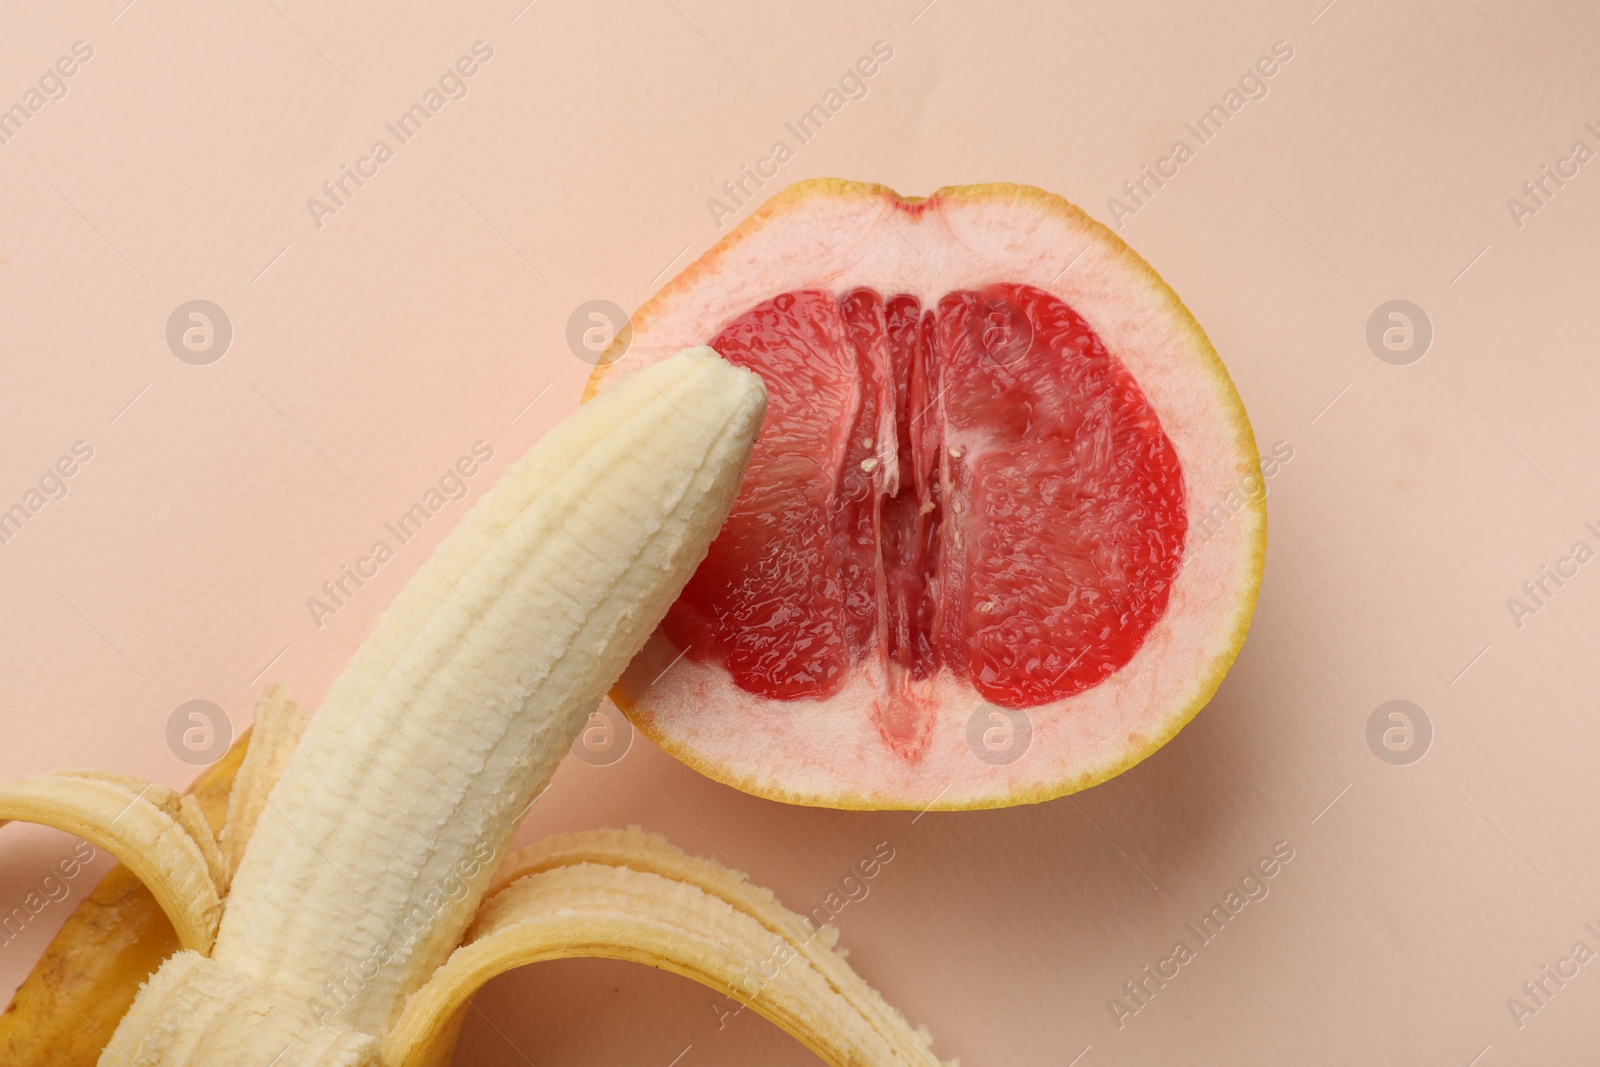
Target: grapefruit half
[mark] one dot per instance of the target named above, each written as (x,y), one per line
(1003,531)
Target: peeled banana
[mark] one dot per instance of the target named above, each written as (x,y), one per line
(325,924)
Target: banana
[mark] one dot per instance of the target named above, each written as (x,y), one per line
(364,846)
(456,710)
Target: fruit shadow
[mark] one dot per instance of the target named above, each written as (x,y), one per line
(1186,811)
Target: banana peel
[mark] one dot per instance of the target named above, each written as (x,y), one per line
(611,894)
(310,924)
(629,895)
(118,935)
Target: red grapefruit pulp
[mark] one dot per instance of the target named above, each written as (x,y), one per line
(979,488)
(960,570)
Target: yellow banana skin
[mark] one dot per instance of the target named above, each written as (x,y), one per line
(81,987)
(169,846)
(628,895)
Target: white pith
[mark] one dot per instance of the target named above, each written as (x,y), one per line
(830,751)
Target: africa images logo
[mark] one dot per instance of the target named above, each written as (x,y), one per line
(1252,887)
(451,85)
(852,86)
(1205,128)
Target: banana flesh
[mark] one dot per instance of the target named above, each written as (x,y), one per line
(196,1012)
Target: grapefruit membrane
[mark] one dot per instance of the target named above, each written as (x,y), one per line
(978,558)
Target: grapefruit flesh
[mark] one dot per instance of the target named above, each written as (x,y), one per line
(978,487)
(985,551)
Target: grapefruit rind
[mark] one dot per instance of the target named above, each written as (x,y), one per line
(835,234)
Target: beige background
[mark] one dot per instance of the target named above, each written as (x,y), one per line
(429,311)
